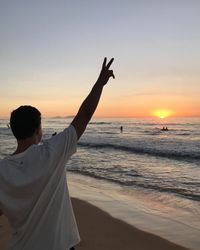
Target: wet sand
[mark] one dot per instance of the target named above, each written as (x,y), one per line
(100,231)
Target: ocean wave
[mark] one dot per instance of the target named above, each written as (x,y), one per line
(184,156)
(173,190)
(108,133)
(100,123)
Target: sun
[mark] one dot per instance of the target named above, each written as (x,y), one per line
(162,113)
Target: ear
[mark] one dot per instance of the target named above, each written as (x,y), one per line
(38,130)
(38,133)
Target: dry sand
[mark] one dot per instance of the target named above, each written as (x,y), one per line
(5,233)
(100,231)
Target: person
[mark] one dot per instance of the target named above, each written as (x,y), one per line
(33,188)
(121,129)
(164,129)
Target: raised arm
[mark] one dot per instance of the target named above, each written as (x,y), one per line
(89,105)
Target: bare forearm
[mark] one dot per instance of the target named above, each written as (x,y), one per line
(90,104)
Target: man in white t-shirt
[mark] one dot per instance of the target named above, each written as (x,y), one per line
(33,189)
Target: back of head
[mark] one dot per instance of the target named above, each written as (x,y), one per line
(24,121)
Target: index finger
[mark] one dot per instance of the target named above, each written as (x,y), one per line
(110,62)
(104,62)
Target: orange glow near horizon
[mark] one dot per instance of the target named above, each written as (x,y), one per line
(162,113)
(63,110)
(146,107)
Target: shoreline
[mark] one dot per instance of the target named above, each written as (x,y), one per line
(136,209)
(99,230)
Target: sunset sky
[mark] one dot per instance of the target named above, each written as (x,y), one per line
(51,54)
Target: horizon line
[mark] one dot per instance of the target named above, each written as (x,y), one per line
(142,117)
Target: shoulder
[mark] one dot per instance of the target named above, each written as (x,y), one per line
(63,143)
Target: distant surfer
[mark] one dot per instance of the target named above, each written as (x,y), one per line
(164,129)
(54,134)
(121,129)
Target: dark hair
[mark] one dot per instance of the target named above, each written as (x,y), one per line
(24,121)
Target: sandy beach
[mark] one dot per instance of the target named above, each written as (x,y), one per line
(5,233)
(100,231)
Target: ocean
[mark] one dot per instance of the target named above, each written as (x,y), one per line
(162,167)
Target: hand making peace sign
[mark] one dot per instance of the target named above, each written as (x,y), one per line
(106,73)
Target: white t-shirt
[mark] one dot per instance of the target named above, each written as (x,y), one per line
(35,198)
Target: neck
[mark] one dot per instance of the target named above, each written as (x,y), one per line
(24,144)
